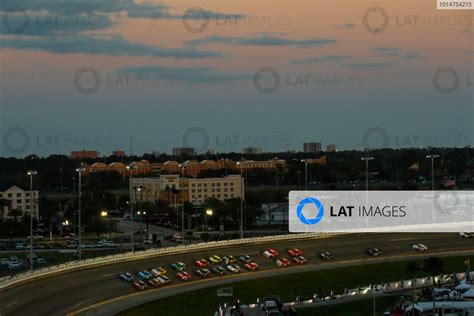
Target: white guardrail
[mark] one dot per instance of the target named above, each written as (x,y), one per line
(378,289)
(9,281)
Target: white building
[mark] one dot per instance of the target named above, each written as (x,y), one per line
(273,214)
(18,199)
(451,308)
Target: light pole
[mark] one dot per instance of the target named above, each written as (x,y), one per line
(61,178)
(305,173)
(432,157)
(80,170)
(241,200)
(31,173)
(130,168)
(104,215)
(209,212)
(367,159)
(140,212)
(182,204)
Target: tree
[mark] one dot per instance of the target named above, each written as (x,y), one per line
(433,266)
(97,225)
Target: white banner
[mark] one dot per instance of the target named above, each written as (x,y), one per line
(381,211)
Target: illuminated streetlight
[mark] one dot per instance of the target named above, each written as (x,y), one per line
(209,212)
(305,173)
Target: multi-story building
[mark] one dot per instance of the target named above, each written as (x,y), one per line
(84,154)
(118,153)
(331,148)
(192,168)
(251,151)
(14,198)
(311,147)
(174,189)
(141,167)
(179,151)
(319,161)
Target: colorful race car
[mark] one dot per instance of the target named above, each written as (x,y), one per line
(145,275)
(252,266)
(158,271)
(126,277)
(283,262)
(326,255)
(202,273)
(245,258)
(270,253)
(183,276)
(201,263)
(215,259)
(178,266)
(228,259)
(294,252)
(299,260)
(139,285)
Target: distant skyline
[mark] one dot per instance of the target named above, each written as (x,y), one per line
(227,75)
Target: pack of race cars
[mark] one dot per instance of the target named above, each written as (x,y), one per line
(221,265)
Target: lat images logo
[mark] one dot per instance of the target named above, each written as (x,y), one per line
(319,206)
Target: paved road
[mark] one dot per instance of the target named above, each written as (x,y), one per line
(69,292)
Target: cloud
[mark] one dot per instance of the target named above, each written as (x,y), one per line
(185,74)
(361,65)
(113,46)
(387,51)
(396,52)
(88,6)
(264,40)
(413,55)
(321,59)
(130,7)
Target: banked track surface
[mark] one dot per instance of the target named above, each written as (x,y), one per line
(62,294)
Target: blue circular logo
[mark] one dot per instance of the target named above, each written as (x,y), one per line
(319,206)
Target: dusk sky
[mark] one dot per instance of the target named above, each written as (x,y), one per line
(89,74)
